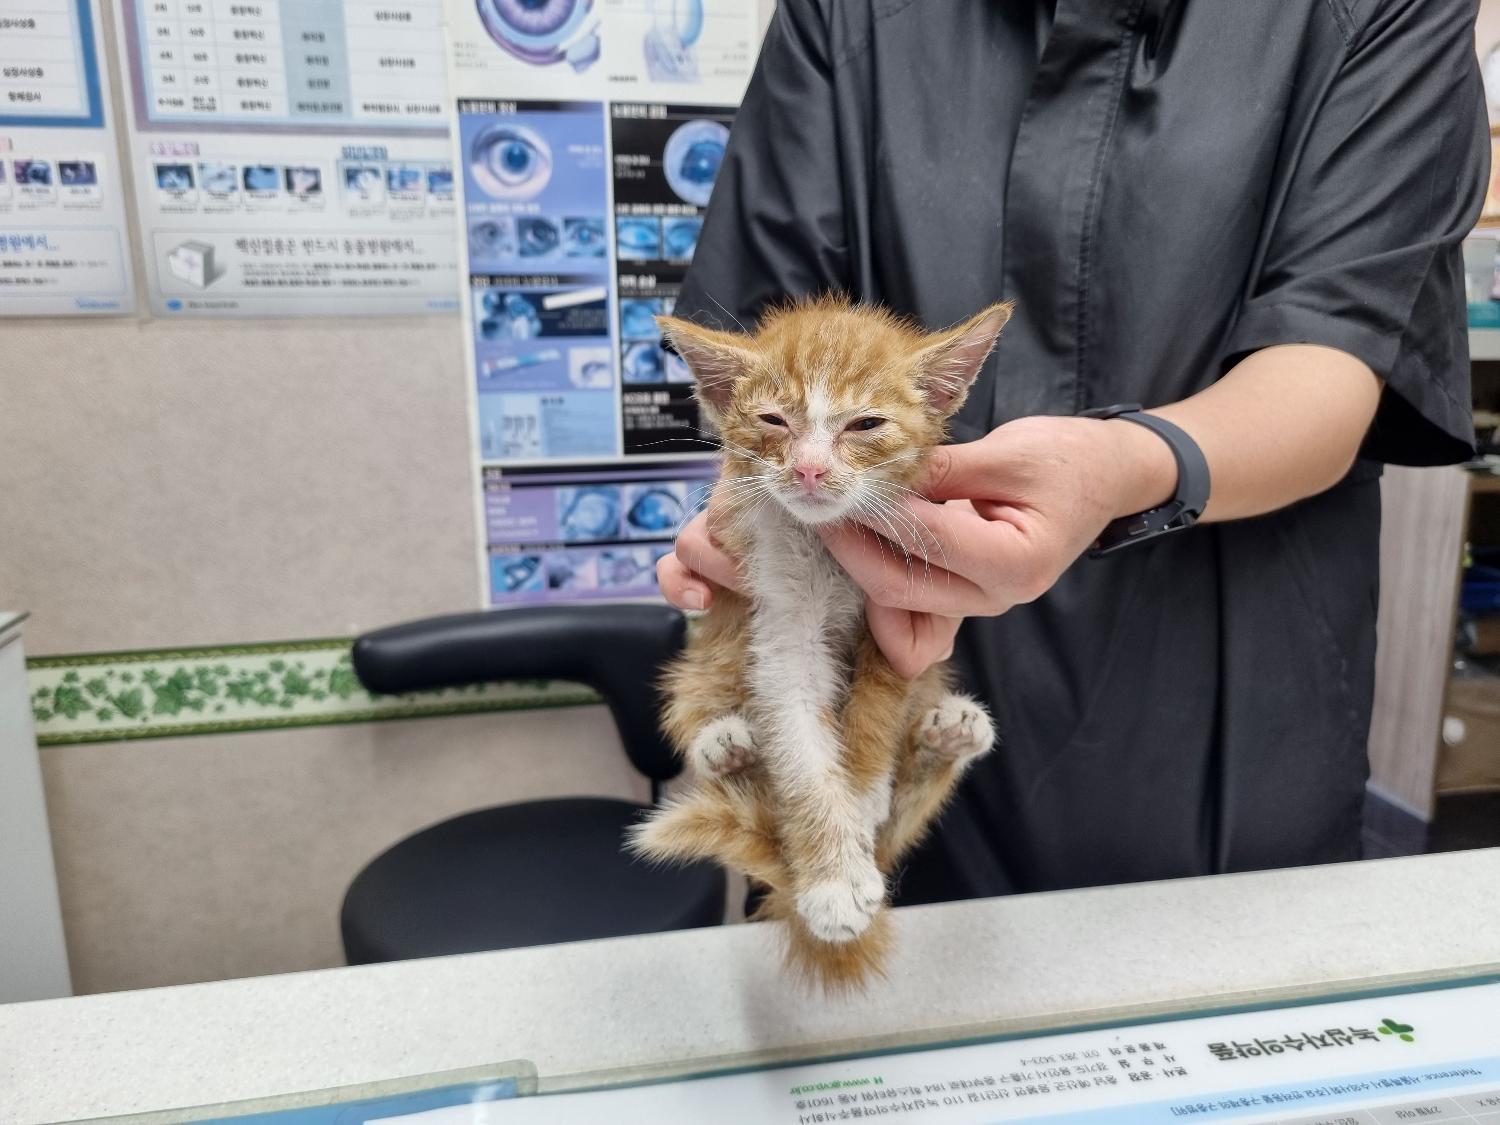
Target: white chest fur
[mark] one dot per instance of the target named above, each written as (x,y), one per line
(807,617)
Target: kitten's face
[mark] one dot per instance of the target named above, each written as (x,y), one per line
(831,410)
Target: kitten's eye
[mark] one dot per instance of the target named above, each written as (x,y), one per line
(865,424)
(773,419)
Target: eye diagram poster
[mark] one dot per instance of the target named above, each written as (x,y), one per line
(291,156)
(588,137)
(1418,1057)
(586,533)
(63,245)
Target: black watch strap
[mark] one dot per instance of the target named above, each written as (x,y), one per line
(1193,483)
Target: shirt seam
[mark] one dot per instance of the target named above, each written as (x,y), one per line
(1091,202)
(853,51)
(1345,21)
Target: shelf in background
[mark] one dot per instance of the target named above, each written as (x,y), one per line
(1484,343)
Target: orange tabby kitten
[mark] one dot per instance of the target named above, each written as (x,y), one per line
(817,765)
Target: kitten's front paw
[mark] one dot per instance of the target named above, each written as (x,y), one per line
(957,728)
(838,910)
(724,746)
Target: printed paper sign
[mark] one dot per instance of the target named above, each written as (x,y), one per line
(291,156)
(63,243)
(1418,1057)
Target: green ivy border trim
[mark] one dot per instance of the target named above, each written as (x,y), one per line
(165,693)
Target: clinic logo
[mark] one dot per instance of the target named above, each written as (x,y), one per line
(1402,1031)
(1313,1042)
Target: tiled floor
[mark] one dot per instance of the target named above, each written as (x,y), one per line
(1469,821)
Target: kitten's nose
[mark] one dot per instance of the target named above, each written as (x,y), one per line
(811,473)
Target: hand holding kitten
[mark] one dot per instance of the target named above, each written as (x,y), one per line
(1037,492)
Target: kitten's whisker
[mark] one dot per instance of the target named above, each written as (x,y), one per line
(726,312)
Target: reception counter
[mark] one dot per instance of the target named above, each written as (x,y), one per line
(682,1003)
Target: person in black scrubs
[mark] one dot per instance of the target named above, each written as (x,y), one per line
(1248,218)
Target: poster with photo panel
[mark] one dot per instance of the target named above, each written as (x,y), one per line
(291,157)
(665,159)
(64,247)
(571,120)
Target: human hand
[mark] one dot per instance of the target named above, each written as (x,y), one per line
(697,563)
(1040,491)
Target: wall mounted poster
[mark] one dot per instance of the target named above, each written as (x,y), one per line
(63,245)
(291,156)
(588,136)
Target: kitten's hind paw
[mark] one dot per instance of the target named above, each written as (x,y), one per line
(726,745)
(837,910)
(957,728)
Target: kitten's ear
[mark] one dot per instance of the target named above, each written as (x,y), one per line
(948,365)
(715,358)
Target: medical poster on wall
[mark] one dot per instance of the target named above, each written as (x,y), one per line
(291,157)
(586,532)
(587,138)
(64,249)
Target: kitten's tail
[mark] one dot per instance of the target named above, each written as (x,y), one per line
(837,967)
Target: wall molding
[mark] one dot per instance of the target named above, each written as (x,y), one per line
(163,693)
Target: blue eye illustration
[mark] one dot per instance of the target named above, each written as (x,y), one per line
(638,319)
(676,27)
(544,31)
(655,510)
(492,238)
(507,316)
(589,513)
(510,162)
(516,573)
(638,240)
(583,238)
(692,157)
(680,237)
(174,177)
(537,238)
(643,364)
(261,177)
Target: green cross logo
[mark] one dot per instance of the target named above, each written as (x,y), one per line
(1403,1031)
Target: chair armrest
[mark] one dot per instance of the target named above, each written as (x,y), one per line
(618,650)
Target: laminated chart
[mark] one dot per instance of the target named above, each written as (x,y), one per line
(64,249)
(588,135)
(291,157)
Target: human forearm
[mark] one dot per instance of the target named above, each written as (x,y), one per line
(1284,424)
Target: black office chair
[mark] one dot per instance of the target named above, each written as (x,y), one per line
(535,872)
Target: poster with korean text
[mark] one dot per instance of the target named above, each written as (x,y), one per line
(64,249)
(291,157)
(587,138)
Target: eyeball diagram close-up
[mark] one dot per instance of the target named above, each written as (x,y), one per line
(692,157)
(510,161)
(676,26)
(543,32)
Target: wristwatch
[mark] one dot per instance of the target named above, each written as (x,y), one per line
(1183,510)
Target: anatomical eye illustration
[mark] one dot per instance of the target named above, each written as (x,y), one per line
(510,162)
(536,238)
(638,239)
(638,318)
(653,511)
(676,25)
(542,32)
(679,237)
(583,238)
(692,158)
(643,364)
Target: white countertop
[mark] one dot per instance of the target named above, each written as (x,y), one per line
(677,1003)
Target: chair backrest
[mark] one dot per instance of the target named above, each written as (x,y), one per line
(618,650)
